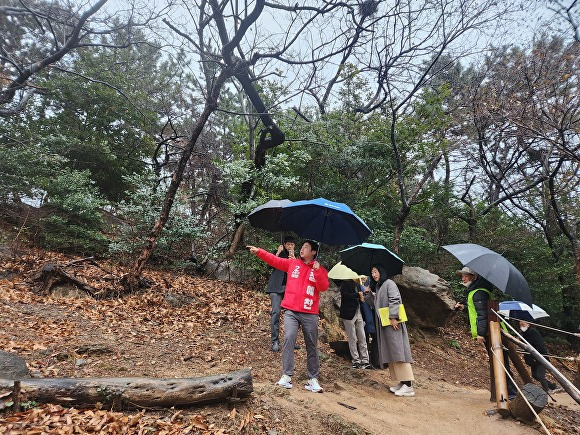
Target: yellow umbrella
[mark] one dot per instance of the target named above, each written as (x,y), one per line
(340,271)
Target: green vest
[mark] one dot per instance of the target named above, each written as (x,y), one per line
(473,312)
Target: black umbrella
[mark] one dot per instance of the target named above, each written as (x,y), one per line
(493,267)
(267,216)
(362,257)
(333,223)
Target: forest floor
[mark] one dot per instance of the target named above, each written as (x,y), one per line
(224,327)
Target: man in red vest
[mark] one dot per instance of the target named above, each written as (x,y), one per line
(306,278)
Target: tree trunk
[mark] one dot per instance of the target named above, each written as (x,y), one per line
(124,393)
(131,281)
(537,398)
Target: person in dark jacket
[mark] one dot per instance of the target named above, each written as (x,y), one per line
(478,291)
(535,339)
(351,297)
(275,288)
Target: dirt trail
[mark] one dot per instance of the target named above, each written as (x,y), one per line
(438,407)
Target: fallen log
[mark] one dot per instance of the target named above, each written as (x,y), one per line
(537,398)
(127,393)
(51,274)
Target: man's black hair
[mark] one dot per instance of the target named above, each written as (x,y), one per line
(313,245)
(289,239)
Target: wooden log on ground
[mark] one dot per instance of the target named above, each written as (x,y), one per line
(51,274)
(126,393)
(537,398)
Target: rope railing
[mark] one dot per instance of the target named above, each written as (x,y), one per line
(575,334)
(496,358)
(565,358)
(570,388)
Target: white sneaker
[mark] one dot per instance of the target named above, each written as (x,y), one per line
(396,387)
(285,381)
(406,391)
(312,385)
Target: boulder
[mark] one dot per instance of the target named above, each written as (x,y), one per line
(12,366)
(332,327)
(226,271)
(427,297)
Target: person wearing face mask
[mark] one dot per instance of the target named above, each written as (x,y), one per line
(535,339)
(478,291)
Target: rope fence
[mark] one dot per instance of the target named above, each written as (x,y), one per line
(496,358)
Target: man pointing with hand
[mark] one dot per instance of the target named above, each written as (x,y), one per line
(306,279)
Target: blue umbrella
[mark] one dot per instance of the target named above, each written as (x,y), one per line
(362,257)
(333,223)
(493,267)
(267,216)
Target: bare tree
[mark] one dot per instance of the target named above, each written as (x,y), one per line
(40,35)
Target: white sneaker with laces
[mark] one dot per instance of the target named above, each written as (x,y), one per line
(396,387)
(285,381)
(312,385)
(405,391)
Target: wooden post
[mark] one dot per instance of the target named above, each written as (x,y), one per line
(501,391)
(518,363)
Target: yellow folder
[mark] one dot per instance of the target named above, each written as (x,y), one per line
(384,314)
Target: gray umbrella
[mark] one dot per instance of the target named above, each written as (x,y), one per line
(493,267)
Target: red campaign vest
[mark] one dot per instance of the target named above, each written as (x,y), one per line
(303,284)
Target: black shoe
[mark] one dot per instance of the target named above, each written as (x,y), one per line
(366,366)
(355,365)
(275,346)
(296,346)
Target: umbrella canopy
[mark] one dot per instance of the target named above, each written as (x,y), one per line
(333,223)
(493,267)
(340,271)
(521,311)
(362,257)
(267,216)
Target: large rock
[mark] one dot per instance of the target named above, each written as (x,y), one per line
(226,271)
(427,297)
(332,327)
(12,366)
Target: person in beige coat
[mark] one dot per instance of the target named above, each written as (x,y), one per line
(393,340)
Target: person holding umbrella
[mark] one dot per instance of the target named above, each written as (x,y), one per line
(305,280)
(393,340)
(275,288)
(477,292)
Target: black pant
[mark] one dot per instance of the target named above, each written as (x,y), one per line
(373,347)
(539,374)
